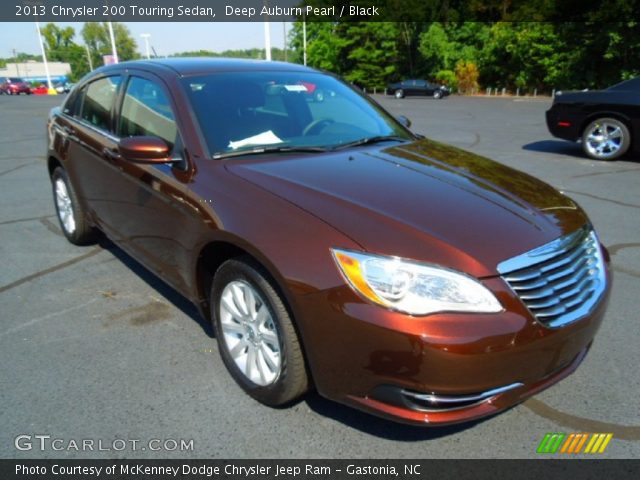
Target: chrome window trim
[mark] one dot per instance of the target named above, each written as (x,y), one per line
(92,127)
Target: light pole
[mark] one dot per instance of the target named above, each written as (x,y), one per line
(113,43)
(284,39)
(89,57)
(50,90)
(15,59)
(267,40)
(304,40)
(146,37)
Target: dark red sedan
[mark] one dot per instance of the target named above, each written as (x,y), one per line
(14,86)
(330,246)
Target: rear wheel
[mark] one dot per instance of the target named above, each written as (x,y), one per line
(71,215)
(437,94)
(256,337)
(606,139)
(399,93)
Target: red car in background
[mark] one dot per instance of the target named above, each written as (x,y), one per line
(40,90)
(13,86)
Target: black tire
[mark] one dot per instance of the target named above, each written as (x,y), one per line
(291,381)
(83,233)
(399,93)
(437,94)
(620,139)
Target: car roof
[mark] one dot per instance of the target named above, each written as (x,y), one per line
(186,66)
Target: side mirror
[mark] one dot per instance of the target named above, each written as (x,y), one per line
(404,121)
(144,150)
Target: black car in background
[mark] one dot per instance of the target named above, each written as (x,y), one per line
(607,122)
(417,87)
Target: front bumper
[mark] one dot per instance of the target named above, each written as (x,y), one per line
(563,123)
(379,361)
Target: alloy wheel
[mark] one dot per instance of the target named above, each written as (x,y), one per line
(65,206)
(249,333)
(604,139)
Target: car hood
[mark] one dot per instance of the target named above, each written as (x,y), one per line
(422,200)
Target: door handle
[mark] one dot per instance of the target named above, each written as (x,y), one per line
(110,154)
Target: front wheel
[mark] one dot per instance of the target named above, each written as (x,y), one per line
(71,215)
(256,337)
(437,94)
(606,139)
(399,93)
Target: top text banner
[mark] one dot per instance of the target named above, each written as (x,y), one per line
(316,10)
(191,10)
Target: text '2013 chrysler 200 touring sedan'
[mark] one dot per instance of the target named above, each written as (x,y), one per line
(330,246)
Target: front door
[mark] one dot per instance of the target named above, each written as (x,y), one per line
(149,213)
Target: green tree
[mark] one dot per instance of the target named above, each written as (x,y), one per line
(370,53)
(61,47)
(324,45)
(443,45)
(96,37)
(525,55)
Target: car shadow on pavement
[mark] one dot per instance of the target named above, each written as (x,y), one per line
(560,147)
(167,292)
(380,427)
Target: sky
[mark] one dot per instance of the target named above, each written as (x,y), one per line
(166,38)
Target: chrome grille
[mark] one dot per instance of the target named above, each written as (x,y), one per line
(561,281)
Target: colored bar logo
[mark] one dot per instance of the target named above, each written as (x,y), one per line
(574,443)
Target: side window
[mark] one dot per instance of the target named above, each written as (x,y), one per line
(74,102)
(98,100)
(146,110)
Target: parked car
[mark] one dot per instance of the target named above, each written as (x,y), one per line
(13,86)
(418,87)
(606,122)
(328,244)
(63,87)
(40,89)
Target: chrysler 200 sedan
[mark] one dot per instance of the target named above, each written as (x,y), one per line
(330,246)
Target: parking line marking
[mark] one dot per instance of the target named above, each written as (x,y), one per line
(46,271)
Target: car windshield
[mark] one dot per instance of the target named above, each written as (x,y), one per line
(244,111)
(628,85)
(16,80)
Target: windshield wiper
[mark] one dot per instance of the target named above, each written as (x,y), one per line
(371,140)
(266,149)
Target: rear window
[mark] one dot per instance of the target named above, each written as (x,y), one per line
(15,80)
(632,85)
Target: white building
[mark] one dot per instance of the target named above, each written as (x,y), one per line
(33,71)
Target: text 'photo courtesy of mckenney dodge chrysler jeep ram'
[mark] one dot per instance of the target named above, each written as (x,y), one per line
(330,246)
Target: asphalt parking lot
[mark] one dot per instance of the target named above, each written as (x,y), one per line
(94,347)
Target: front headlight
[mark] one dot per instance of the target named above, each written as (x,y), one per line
(411,287)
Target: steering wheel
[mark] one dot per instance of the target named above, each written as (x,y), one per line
(317,126)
